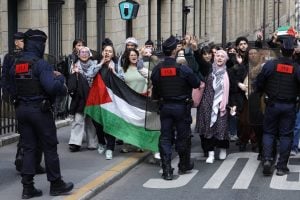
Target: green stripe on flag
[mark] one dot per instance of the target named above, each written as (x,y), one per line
(118,127)
(283,28)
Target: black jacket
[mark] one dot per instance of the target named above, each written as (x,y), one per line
(78,88)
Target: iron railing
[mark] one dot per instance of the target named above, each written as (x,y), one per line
(7,114)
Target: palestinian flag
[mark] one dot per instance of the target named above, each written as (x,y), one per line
(286,31)
(122,112)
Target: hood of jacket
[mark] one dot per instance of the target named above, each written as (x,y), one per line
(35,47)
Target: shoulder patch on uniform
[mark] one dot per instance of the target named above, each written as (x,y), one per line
(284,68)
(22,68)
(168,71)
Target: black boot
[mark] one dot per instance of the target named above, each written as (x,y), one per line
(74,147)
(29,191)
(166,167)
(59,187)
(185,163)
(167,172)
(268,168)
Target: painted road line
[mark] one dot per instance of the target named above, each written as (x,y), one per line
(245,177)
(178,181)
(105,177)
(281,182)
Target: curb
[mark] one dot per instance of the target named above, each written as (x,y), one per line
(14,137)
(110,176)
(9,139)
(113,179)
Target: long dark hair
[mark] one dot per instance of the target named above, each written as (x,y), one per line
(205,50)
(76,41)
(114,58)
(126,56)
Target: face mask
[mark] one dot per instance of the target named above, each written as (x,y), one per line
(232,55)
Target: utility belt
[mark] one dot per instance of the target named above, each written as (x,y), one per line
(44,105)
(176,101)
(278,100)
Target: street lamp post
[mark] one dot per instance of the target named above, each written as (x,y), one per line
(186,11)
(278,12)
(264,20)
(224,23)
(274,10)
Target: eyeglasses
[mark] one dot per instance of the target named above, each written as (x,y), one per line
(84,52)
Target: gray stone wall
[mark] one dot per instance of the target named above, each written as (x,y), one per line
(243,18)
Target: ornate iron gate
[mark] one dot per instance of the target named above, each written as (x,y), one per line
(80,19)
(55,27)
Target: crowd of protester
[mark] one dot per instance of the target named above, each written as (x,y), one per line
(229,112)
(241,65)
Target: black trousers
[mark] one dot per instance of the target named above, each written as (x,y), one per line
(104,138)
(38,153)
(36,126)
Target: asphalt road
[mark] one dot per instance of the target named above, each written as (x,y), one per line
(238,177)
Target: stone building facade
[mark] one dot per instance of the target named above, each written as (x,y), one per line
(93,20)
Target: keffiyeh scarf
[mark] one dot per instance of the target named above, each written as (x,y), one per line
(218,86)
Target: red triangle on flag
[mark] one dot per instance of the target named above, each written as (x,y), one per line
(98,93)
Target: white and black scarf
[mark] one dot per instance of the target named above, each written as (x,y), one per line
(218,86)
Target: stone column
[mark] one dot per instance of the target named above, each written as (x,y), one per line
(91,16)
(3,29)
(68,26)
(33,14)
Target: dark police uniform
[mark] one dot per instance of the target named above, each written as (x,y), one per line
(9,96)
(7,84)
(172,84)
(280,80)
(36,87)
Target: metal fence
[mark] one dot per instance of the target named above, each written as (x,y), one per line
(7,111)
(7,114)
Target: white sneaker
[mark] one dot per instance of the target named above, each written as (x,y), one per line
(233,138)
(222,154)
(157,155)
(211,157)
(293,153)
(109,154)
(101,149)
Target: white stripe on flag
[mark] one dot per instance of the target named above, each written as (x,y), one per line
(121,108)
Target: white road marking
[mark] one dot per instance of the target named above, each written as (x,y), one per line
(182,180)
(281,182)
(245,177)
(242,182)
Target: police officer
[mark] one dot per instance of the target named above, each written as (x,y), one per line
(9,94)
(279,80)
(7,84)
(172,85)
(36,87)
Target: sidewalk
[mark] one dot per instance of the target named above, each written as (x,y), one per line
(14,137)
(88,170)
